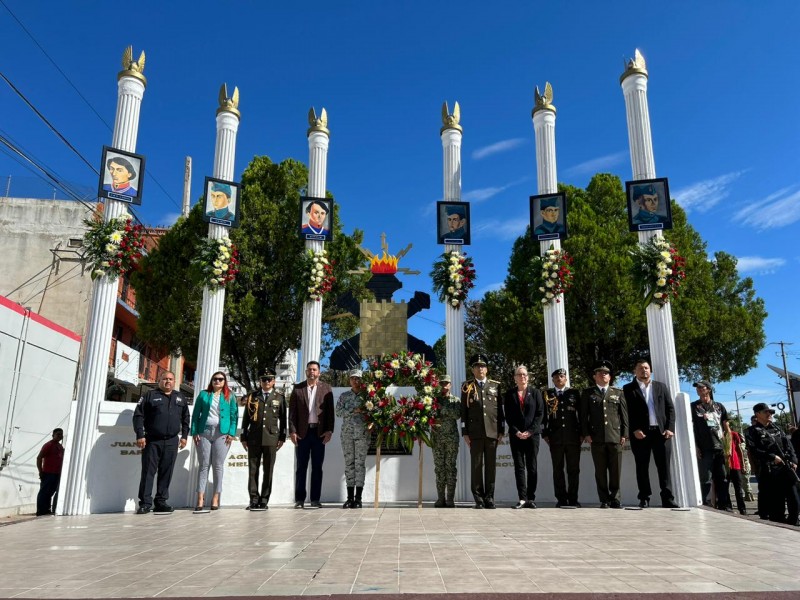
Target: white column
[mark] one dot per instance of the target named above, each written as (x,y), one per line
(210,340)
(659,319)
(92,385)
(318,139)
(555,328)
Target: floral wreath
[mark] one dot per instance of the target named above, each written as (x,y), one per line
(217,262)
(403,420)
(658,270)
(113,247)
(556,274)
(318,273)
(453,277)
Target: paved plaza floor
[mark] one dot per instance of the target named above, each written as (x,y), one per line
(232,552)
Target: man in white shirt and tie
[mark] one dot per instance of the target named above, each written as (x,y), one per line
(651,414)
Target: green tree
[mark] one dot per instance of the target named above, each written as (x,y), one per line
(718,320)
(263,307)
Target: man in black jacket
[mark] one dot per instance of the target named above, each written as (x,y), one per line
(651,417)
(159,417)
(523,409)
(562,432)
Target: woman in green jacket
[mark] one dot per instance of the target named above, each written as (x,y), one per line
(214,420)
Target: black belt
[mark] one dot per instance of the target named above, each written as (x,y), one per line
(313,425)
(654,427)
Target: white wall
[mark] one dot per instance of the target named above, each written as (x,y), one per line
(37,373)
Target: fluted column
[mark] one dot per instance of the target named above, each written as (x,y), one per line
(210,340)
(544,126)
(659,319)
(318,140)
(92,384)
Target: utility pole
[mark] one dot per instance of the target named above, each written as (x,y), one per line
(789,397)
(738,412)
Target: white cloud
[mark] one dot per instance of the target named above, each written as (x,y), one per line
(758,264)
(504,230)
(497,148)
(492,287)
(482,194)
(595,165)
(704,195)
(169,219)
(776,210)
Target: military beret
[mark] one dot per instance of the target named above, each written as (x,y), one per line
(221,187)
(548,203)
(763,406)
(478,359)
(558,372)
(456,209)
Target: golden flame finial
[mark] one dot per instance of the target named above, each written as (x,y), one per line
(318,124)
(543,101)
(385,264)
(450,121)
(132,68)
(633,65)
(227,104)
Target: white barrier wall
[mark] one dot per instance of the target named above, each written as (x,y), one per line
(38,360)
(115,467)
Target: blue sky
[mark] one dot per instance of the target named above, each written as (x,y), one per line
(723,105)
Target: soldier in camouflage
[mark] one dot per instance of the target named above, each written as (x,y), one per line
(444,443)
(355,440)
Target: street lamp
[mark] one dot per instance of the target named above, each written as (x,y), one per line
(738,412)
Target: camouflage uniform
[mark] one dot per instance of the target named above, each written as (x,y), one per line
(355,438)
(444,443)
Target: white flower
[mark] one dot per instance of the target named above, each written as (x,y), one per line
(378,374)
(99,272)
(311,290)
(116,237)
(410,364)
(323,260)
(427,400)
(127,216)
(423,373)
(104,263)
(458,286)
(217,264)
(549,283)
(545,301)
(224,251)
(111,248)
(224,267)
(395,364)
(541,289)
(454,302)
(550,295)
(217,271)
(318,279)
(661,265)
(547,265)
(451,290)
(661,282)
(452,269)
(665,254)
(553,275)
(658,295)
(369,405)
(427,389)
(668,271)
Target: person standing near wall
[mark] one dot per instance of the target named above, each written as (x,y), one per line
(49,461)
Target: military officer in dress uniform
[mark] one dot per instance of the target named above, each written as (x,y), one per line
(444,443)
(482,429)
(355,439)
(562,432)
(604,418)
(263,434)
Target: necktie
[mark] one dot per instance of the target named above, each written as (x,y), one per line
(480,384)
(559,392)
(603,391)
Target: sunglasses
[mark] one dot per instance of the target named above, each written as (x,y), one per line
(217,379)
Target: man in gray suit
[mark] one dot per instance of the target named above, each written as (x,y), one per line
(651,414)
(482,429)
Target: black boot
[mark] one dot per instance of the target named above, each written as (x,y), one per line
(349,503)
(450,498)
(357,500)
(440,502)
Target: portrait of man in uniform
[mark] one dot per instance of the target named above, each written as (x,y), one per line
(549,217)
(315,219)
(648,204)
(452,225)
(222,202)
(121,176)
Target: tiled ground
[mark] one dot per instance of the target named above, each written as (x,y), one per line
(329,551)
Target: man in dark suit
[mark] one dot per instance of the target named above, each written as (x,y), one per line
(605,427)
(482,428)
(263,434)
(651,416)
(562,432)
(523,410)
(310,427)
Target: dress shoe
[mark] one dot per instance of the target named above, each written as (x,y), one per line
(298,504)
(520,504)
(615,504)
(348,503)
(356,503)
(604,505)
(316,504)
(200,510)
(560,504)
(478,504)
(262,506)
(644,503)
(166,508)
(489,503)
(143,510)
(669,504)
(530,504)
(253,505)
(214,507)
(742,512)
(727,509)
(576,504)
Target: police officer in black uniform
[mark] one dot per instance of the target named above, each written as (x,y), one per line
(482,428)
(777,475)
(604,421)
(159,417)
(263,434)
(562,432)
